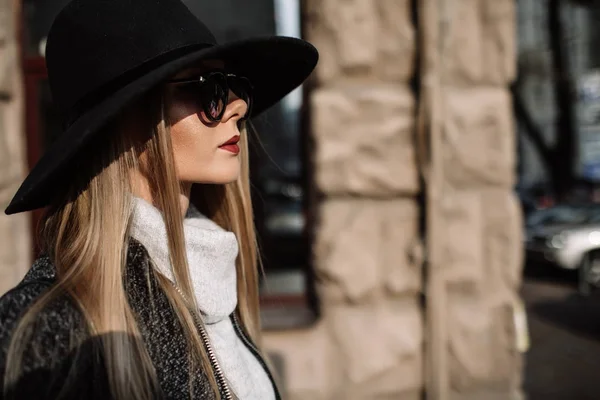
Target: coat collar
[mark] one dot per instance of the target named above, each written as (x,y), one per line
(43,268)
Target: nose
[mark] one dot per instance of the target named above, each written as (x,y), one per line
(236,109)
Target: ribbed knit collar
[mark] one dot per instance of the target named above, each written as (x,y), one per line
(211,253)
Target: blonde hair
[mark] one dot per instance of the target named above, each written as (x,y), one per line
(86,247)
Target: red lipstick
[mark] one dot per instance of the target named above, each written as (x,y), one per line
(231,145)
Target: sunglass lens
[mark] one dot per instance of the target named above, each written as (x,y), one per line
(213,97)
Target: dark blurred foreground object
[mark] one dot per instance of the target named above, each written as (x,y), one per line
(589,273)
(586,3)
(527,202)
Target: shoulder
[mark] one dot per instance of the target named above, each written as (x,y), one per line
(47,353)
(60,316)
(54,324)
(15,302)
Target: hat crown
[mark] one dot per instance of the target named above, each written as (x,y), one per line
(93,43)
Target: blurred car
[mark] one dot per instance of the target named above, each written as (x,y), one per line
(567,236)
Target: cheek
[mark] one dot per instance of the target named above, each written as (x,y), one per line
(183,135)
(190,146)
(187,131)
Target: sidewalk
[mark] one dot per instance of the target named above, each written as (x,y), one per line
(563,362)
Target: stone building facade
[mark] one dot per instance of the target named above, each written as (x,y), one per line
(474,224)
(382,145)
(369,341)
(15,242)
(417,249)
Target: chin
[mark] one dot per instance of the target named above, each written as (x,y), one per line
(225,180)
(216,173)
(222,177)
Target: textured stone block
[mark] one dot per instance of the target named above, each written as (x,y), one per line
(362,37)
(307,374)
(484,360)
(15,249)
(309,396)
(507,360)
(381,348)
(8,66)
(461,238)
(6,21)
(478,145)
(414,394)
(489,394)
(503,243)
(362,248)
(482,236)
(5,156)
(364,140)
(481,42)
(500,41)
(15,240)
(12,141)
(8,48)
(470,343)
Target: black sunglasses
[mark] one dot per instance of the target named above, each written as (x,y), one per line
(213,92)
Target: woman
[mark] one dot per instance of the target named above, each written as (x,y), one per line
(147,285)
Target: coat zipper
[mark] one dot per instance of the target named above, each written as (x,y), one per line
(254,350)
(224,388)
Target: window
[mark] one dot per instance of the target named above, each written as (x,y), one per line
(278,168)
(279,174)
(558,40)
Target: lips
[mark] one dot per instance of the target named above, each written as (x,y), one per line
(231,145)
(234,140)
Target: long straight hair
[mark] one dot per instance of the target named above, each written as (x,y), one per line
(87,247)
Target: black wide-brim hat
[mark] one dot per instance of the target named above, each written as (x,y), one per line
(102,55)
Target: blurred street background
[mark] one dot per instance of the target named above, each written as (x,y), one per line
(428,203)
(564,357)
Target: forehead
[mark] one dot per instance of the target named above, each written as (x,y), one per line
(200,67)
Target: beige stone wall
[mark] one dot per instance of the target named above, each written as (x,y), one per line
(375,340)
(474,229)
(15,247)
(369,342)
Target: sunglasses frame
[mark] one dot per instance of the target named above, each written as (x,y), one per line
(204,78)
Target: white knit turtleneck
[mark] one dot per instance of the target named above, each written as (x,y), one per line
(211,253)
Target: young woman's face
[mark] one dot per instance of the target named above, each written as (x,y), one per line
(205,152)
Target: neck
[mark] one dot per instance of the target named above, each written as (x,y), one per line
(141,189)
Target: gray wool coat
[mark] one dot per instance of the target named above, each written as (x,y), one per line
(48,368)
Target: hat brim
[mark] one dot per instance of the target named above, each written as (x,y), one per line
(274,65)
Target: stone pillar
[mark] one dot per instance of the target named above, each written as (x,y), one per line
(369,342)
(15,243)
(474,222)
